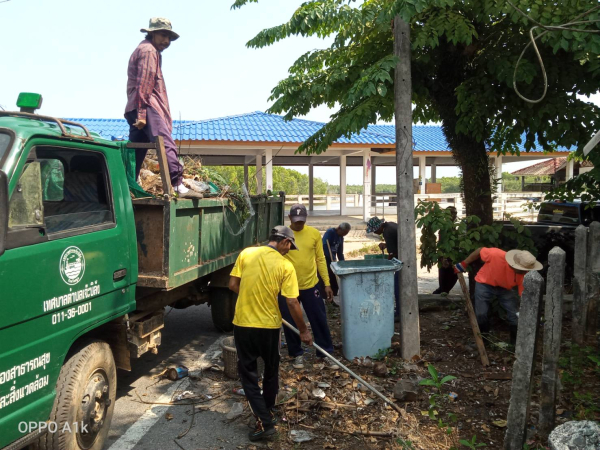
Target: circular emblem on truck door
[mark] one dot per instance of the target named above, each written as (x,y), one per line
(72,265)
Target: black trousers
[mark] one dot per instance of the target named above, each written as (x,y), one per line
(447,278)
(250,344)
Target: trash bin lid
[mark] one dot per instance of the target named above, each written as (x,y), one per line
(341,268)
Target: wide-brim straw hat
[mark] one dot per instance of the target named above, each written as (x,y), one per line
(522,260)
(160,24)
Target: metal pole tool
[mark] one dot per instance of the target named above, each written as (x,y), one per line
(375,391)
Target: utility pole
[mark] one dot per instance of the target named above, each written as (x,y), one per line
(407,240)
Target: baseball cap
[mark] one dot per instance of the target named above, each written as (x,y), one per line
(286,232)
(298,213)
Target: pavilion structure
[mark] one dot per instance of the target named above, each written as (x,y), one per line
(267,140)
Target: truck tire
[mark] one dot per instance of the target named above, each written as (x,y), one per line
(85,394)
(222,308)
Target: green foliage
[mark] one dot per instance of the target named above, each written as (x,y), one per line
(382,354)
(458,239)
(287,180)
(473,444)
(463,56)
(405,444)
(585,186)
(435,378)
(436,382)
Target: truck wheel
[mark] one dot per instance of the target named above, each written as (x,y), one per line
(85,400)
(222,308)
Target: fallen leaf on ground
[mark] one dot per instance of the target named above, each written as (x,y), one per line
(500,423)
(485,428)
(168,416)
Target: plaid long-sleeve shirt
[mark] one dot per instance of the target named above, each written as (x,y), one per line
(146,85)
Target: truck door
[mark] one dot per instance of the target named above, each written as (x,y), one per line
(65,270)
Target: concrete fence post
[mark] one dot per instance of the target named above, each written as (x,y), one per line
(552,336)
(592,282)
(520,393)
(580,301)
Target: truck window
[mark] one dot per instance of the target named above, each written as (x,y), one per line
(4,141)
(559,213)
(75,191)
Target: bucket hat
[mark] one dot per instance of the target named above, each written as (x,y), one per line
(158,24)
(374,223)
(522,260)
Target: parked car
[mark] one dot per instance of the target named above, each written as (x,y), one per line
(555,226)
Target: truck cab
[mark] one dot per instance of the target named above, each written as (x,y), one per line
(68,265)
(86,272)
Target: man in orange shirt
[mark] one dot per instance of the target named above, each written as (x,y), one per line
(501,273)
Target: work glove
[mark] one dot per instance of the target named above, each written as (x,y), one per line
(460,267)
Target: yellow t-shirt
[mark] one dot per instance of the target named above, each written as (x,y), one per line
(264,272)
(308,257)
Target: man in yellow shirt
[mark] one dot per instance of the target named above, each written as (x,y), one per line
(258,276)
(306,261)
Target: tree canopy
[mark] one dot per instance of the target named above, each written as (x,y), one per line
(464,53)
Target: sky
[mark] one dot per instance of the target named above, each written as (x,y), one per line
(75,54)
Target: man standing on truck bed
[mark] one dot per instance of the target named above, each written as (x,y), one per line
(147,110)
(258,276)
(306,261)
(501,273)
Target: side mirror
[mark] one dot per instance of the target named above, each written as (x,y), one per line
(3,211)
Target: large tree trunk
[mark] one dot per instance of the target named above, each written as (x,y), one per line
(473,160)
(470,154)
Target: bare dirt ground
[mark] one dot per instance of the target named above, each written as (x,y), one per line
(321,408)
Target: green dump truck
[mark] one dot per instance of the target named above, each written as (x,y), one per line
(86,272)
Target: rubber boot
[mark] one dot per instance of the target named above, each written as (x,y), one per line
(513,335)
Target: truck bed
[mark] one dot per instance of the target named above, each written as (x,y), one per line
(182,240)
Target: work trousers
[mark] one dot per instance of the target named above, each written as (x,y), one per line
(314,307)
(332,279)
(484,294)
(447,278)
(155,126)
(252,343)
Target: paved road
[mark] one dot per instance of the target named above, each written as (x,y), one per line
(189,338)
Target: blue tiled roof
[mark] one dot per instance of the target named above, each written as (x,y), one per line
(262,127)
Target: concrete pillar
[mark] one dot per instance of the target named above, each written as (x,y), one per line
(570,169)
(247,161)
(259,174)
(422,175)
(523,184)
(498,165)
(433,172)
(524,366)
(311,188)
(328,199)
(356,201)
(373,202)
(269,168)
(366,184)
(552,333)
(343,208)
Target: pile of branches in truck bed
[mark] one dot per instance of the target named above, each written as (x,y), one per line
(198,178)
